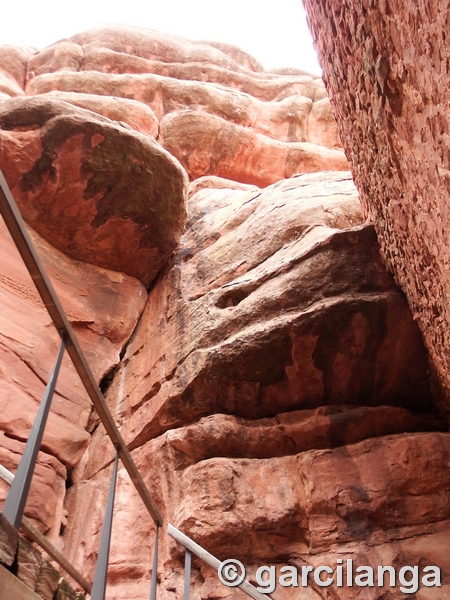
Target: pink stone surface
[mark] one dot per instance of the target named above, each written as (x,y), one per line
(103,308)
(386,70)
(248,402)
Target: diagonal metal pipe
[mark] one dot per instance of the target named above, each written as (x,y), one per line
(14,506)
(101,568)
(19,232)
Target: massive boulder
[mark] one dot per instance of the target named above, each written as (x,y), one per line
(253,318)
(387,72)
(99,191)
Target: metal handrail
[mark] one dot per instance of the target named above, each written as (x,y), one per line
(211,560)
(18,230)
(40,539)
(14,506)
(15,502)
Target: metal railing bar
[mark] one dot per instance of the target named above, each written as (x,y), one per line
(187,574)
(154,568)
(211,560)
(101,568)
(18,230)
(33,533)
(14,506)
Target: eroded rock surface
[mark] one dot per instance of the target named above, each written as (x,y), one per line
(210,145)
(274,351)
(387,71)
(103,308)
(101,192)
(273,385)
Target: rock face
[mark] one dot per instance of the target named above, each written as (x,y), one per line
(271,381)
(386,69)
(209,145)
(70,171)
(33,577)
(13,70)
(274,350)
(103,308)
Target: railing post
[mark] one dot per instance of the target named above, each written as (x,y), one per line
(154,568)
(14,506)
(210,560)
(101,568)
(187,574)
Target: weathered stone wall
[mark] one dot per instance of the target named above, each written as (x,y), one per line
(386,67)
(274,394)
(83,125)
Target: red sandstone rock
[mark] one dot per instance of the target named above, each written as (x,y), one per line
(64,439)
(315,507)
(321,127)
(13,66)
(320,91)
(290,511)
(316,499)
(247,337)
(218,183)
(284,118)
(119,49)
(48,490)
(99,191)
(276,366)
(9,86)
(263,86)
(103,308)
(14,62)
(386,69)
(135,114)
(152,45)
(290,433)
(241,57)
(61,56)
(209,145)
(240,305)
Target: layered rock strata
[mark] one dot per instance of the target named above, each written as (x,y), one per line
(103,308)
(277,354)
(386,69)
(263,366)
